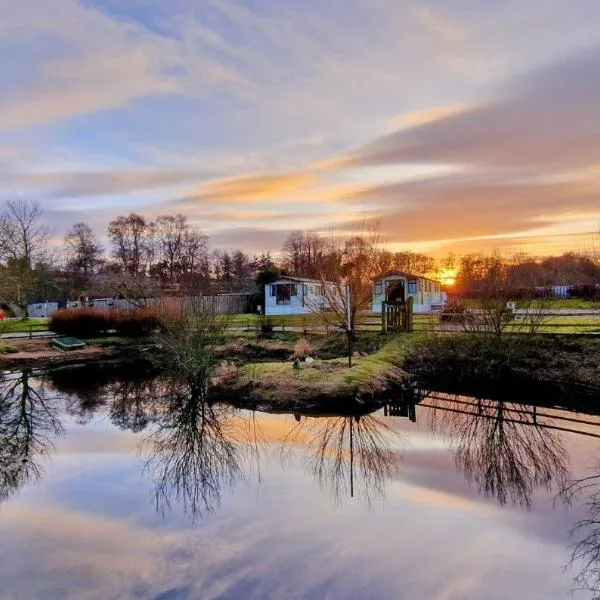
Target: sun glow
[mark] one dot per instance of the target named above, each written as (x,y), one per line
(447,276)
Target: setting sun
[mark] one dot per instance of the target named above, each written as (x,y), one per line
(447,276)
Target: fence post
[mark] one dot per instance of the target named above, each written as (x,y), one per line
(409,314)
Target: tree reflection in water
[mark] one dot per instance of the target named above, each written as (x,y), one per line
(585,556)
(503,448)
(195,450)
(346,454)
(28,426)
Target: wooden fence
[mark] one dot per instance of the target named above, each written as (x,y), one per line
(225,304)
(222,305)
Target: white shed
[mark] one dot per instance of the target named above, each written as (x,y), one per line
(296,296)
(426,293)
(42,309)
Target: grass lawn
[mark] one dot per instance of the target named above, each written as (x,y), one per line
(279,382)
(564,324)
(23,325)
(549,303)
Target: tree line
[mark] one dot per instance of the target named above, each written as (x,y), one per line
(171,255)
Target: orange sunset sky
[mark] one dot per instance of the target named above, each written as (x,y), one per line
(459,125)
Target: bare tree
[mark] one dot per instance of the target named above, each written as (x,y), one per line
(130,245)
(194,253)
(303,253)
(84,252)
(170,232)
(24,241)
(346,271)
(23,234)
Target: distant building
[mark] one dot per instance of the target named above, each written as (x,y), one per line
(42,309)
(397,286)
(296,296)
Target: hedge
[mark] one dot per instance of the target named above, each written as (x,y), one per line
(93,322)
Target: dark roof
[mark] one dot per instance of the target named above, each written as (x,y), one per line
(304,280)
(404,274)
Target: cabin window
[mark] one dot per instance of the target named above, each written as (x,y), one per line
(273,290)
(412,286)
(378,288)
(284,292)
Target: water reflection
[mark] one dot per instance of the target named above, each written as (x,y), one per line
(585,556)
(347,455)
(194,451)
(506,450)
(28,426)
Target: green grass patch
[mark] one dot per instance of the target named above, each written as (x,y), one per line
(23,325)
(322,379)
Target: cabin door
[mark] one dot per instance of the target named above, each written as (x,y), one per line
(396,292)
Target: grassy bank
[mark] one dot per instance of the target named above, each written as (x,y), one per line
(322,381)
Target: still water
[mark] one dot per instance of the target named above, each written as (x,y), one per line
(134,488)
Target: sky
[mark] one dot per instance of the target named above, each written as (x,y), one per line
(455,125)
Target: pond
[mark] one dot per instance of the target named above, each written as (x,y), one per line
(132,487)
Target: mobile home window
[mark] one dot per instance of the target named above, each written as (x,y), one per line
(284,292)
(273,290)
(412,286)
(378,288)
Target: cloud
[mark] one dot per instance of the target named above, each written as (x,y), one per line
(63,184)
(457,207)
(251,239)
(70,59)
(253,188)
(547,119)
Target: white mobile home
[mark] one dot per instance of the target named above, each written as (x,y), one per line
(396,286)
(296,296)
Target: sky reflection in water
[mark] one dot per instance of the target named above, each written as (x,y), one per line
(117,495)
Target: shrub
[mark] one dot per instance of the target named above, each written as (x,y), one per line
(302,348)
(83,322)
(92,322)
(139,322)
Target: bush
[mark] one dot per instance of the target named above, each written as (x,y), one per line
(82,322)
(302,348)
(92,322)
(139,322)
